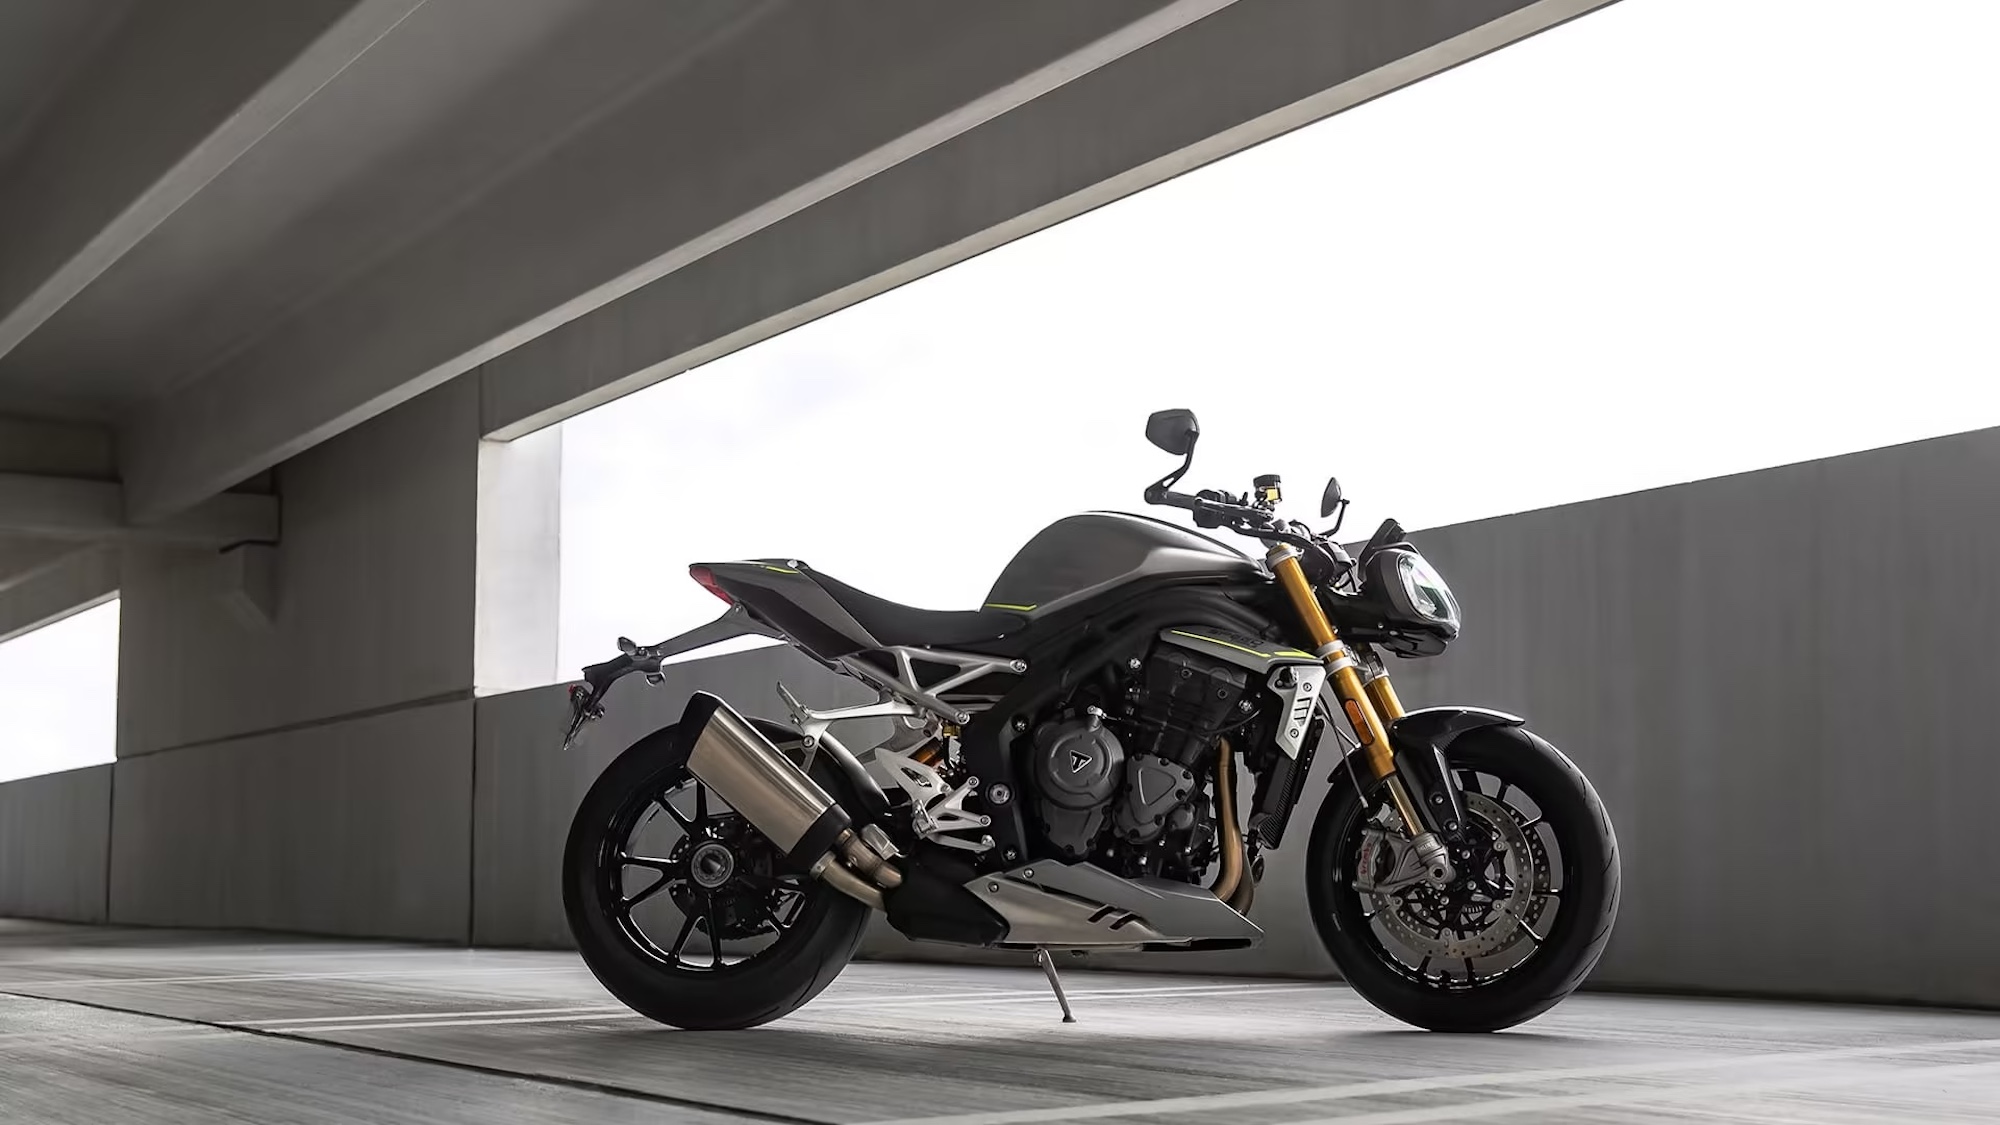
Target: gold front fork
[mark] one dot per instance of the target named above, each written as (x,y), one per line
(1365,704)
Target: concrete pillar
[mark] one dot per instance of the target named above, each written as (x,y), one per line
(313,773)
(520,563)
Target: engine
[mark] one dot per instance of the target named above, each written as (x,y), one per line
(1123,774)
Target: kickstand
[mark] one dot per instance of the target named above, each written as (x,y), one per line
(1048,964)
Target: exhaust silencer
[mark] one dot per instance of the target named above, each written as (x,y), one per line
(733,758)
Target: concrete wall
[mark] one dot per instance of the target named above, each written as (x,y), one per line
(357,827)
(53,833)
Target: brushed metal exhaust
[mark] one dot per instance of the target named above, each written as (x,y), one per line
(780,801)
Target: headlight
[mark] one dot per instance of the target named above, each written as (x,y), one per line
(1428,594)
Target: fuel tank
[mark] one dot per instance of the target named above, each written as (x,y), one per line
(1082,556)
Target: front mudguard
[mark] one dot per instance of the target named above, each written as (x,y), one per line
(1420,739)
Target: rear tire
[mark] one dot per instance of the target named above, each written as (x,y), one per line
(798,963)
(1586,897)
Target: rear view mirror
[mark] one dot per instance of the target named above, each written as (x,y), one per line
(1330,499)
(1174,431)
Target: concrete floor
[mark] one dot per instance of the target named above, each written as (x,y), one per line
(111,1025)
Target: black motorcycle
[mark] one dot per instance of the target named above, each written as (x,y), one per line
(1062,768)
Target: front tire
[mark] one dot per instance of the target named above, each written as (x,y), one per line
(1529,919)
(769,939)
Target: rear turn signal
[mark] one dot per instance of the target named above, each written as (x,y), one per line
(706,577)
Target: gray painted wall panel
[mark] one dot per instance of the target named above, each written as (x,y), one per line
(528,789)
(358,827)
(53,833)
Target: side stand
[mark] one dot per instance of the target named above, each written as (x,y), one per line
(1048,964)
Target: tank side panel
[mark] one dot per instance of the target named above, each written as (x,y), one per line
(1084,555)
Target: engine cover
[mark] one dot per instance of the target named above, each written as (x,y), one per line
(1078,766)
(1154,788)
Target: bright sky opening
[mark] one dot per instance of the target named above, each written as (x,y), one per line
(1664,242)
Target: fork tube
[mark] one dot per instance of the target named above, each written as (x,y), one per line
(1383,695)
(1359,702)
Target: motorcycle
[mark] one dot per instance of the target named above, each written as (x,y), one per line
(1062,771)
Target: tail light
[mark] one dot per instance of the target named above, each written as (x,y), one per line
(706,577)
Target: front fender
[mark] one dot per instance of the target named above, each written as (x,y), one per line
(1420,739)
(1435,727)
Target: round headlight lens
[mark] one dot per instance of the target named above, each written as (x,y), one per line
(1426,588)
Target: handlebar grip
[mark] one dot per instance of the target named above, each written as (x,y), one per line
(1169,498)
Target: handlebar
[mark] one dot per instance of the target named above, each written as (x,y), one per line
(1325,560)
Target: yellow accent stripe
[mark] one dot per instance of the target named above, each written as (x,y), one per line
(1016,608)
(1273,655)
(780,569)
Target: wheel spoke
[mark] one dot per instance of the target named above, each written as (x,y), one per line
(666,802)
(631,901)
(645,861)
(772,916)
(714,935)
(700,803)
(1469,971)
(680,942)
(798,907)
(1527,929)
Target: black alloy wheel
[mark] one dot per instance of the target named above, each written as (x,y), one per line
(684,911)
(1521,925)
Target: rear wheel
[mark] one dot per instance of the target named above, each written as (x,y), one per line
(1520,927)
(684,911)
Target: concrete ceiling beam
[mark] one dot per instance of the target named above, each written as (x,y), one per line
(139,130)
(793,104)
(80,581)
(1240,77)
(65,449)
(93,510)
(22,559)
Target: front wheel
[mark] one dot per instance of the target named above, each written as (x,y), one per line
(1522,924)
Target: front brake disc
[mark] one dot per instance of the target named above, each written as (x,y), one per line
(1451,923)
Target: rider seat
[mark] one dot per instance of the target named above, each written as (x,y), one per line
(893,623)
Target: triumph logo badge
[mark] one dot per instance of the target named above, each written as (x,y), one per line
(1078,760)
